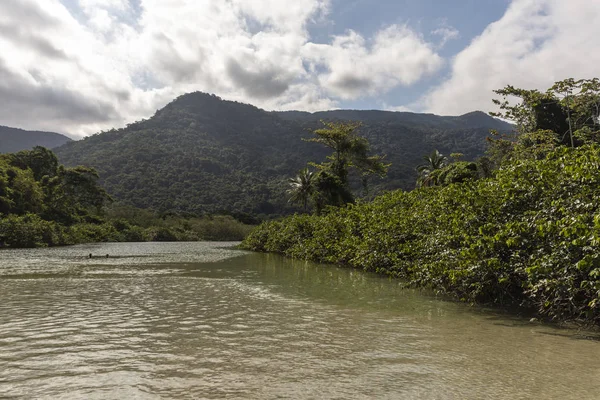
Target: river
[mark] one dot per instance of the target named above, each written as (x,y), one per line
(203,320)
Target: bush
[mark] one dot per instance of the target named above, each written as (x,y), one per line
(89,233)
(28,230)
(219,228)
(159,234)
(529,236)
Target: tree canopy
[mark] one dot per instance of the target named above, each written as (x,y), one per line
(32,181)
(570,109)
(351,154)
(433,162)
(302,187)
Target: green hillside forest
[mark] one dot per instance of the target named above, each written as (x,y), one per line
(519,227)
(203,155)
(42,203)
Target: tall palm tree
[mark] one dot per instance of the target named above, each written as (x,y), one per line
(433,161)
(301,187)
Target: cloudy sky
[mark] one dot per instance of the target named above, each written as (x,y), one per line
(81,66)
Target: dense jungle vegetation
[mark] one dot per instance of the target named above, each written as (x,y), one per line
(518,227)
(43,203)
(204,155)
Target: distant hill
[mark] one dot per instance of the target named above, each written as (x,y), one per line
(14,139)
(203,154)
(472,120)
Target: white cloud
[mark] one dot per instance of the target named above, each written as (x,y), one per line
(387,107)
(104,63)
(446,33)
(355,68)
(536,43)
(56,75)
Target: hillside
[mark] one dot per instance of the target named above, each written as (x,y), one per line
(406,137)
(203,154)
(13,139)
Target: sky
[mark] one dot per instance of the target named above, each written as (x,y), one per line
(82,66)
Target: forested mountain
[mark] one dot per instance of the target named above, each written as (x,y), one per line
(13,139)
(406,137)
(203,154)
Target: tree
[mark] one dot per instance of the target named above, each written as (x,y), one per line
(350,153)
(330,191)
(19,192)
(457,172)
(301,187)
(567,114)
(349,150)
(43,162)
(74,193)
(434,161)
(567,108)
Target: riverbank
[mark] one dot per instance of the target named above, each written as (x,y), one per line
(30,230)
(529,237)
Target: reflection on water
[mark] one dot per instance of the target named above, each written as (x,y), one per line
(200,320)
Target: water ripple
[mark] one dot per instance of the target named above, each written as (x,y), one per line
(238,329)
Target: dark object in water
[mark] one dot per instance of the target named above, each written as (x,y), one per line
(91,256)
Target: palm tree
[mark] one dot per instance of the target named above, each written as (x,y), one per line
(301,187)
(433,161)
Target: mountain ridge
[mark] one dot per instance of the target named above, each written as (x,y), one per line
(479,116)
(16,139)
(203,154)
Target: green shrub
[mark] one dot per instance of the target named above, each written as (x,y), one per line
(529,236)
(90,233)
(159,234)
(219,228)
(27,230)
